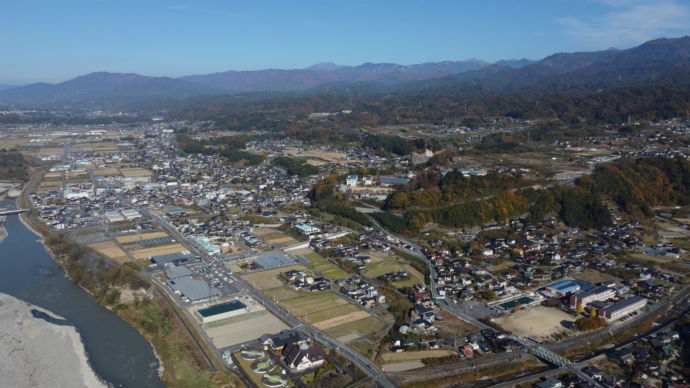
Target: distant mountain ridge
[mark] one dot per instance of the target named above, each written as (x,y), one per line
(661,60)
(316,75)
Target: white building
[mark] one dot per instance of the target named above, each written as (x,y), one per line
(620,309)
(585,297)
(351,180)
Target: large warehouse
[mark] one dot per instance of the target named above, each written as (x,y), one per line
(221,311)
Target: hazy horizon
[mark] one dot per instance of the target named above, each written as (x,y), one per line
(57,42)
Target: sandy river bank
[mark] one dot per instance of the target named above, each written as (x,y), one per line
(37,353)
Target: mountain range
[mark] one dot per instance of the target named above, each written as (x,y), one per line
(661,60)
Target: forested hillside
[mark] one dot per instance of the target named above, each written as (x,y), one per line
(635,185)
(13,166)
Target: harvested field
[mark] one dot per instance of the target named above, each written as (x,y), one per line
(360,327)
(341,319)
(111,250)
(537,322)
(250,327)
(44,186)
(319,157)
(135,172)
(156,251)
(594,277)
(143,236)
(264,280)
(411,356)
(313,302)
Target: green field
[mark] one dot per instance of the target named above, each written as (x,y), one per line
(324,266)
(383,267)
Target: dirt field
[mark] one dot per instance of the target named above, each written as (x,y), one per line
(245,328)
(320,157)
(595,277)
(313,302)
(272,236)
(341,319)
(135,172)
(537,322)
(143,236)
(411,356)
(110,250)
(454,325)
(265,280)
(155,251)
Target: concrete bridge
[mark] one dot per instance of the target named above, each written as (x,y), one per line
(11,212)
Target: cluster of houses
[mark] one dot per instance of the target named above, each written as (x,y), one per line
(361,292)
(299,280)
(395,276)
(539,257)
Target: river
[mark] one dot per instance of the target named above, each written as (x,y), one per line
(117,353)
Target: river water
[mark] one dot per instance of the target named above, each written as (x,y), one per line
(117,353)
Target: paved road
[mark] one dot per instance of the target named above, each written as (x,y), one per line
(459,310)
(354,357)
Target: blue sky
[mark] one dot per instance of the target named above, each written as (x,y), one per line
(51,40)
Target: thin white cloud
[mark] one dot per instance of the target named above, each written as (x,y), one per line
(629,22)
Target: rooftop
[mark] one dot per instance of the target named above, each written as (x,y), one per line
(221,308)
